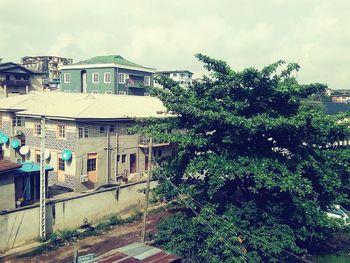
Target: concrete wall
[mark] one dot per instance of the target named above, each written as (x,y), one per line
(21,226)
(7,190)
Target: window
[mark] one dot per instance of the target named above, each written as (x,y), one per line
(118,158)
(38,157)
(107,77)
(123,158)
(95,77)
(16,122)
(122,93)
(66,77)
(94,92)
(91,165)
(102,129)
(83,132)
(61,164)
(159,153)
(61,130)
(122,78)
(37,129)
(147,80)
(112,128)
(108,92)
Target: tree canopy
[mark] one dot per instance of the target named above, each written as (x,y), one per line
(257,166)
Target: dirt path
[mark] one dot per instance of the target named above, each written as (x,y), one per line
(114,238)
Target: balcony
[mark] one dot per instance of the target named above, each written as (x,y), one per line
(144,143)
(135,83)
(15,83)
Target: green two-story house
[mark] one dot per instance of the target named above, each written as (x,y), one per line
(106,75)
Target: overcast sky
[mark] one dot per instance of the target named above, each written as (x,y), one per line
(166,34)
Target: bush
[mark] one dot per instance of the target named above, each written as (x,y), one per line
(115,220)
(103,226)
(68,235)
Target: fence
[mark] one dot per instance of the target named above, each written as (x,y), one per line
(21,226)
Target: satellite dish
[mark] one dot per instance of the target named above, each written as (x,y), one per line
(66,155)
(4,139)
(47,154)
(15,143)
(24,150)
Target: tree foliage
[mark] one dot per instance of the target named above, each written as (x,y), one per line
(261,163)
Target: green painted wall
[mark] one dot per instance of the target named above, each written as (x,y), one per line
(75,83)
(101,87)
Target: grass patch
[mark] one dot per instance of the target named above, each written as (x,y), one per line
(338,258)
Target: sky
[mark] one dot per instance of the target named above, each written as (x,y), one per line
(165,34)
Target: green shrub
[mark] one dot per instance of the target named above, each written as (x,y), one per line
(68,235)
(115,220)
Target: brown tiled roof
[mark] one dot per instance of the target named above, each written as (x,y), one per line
(6,165)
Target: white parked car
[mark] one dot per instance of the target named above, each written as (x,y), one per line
(337,211)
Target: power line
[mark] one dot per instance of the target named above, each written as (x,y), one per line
(221,218)
(215,232)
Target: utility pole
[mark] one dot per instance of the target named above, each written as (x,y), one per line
(143,234)
(42,183)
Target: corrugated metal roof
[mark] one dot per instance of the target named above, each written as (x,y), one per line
(83,106)
(11,67)
(6,165)
(138,252)
(28,167)
(110,59)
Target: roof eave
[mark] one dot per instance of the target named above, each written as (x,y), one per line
(107,65)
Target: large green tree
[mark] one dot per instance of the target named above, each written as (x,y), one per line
(256,166)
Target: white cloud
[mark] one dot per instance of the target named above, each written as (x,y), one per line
(166,34)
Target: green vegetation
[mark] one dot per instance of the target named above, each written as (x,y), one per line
(257,159)
(342,258)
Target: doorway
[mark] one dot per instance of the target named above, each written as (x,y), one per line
(83,81)
(133,163)
(92,167)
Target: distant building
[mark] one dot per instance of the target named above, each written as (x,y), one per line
(48,65)
(107,75)
(340,99)
(16,79)
(91,129)
(183,77)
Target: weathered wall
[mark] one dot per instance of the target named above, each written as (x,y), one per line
(21,226)
(7,190)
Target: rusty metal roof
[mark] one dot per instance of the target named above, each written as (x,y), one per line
(6,165)
(136,253)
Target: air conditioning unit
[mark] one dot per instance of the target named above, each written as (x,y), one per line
(84,178)
(18,132)
(18,160)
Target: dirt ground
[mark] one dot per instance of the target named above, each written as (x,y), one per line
(114,238)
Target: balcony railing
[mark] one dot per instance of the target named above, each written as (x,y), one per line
(131,83)
(144,143)
(15,83)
